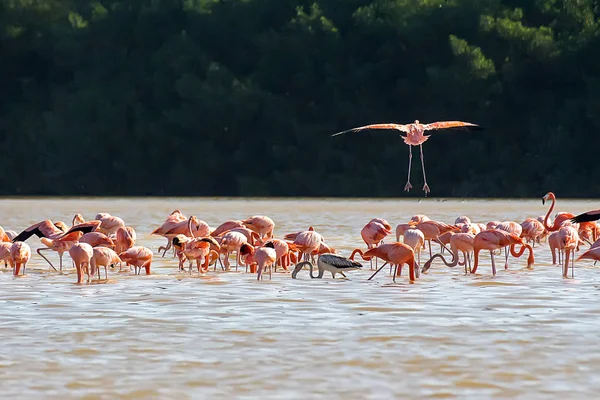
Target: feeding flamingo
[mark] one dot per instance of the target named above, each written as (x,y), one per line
(333,263)
(20,253)
(396,254)
(494,239)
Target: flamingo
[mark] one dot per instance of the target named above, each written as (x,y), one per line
(555,246)
(533,230)
(433,230)
(5,252)
(415,239)
(81,253)
(305,242)
(401,229)
(226,226)
(232,241)
(396,254)
(138,256)
(494,239)
(95,239)
(262,225)
(172,221)
(20,253)
(109,223)
(374,232)
(54,238)
(415,137)
(569,241)
(4,236)
(333,263)
(264,257)
(462,242)
(124,239)
(103,257)
(560,218)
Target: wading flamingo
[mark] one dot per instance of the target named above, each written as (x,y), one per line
(395,253)
(5,252)
(374,232)
(462,242)
(232,241)
(95,239)
(494,239)
(333,263)
(138,256)
(433,230)
(569,241)
(109,223)
(171,222)
(264,257)
(103,257)
(54,238)
(124,239)
(415,239)
(227,226)
(82,253)
(262,225)
(415,137)
(20,253)
(532,230)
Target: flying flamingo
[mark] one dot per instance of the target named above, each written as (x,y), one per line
(20,253)
(395,253)
(415,137)
(494,239)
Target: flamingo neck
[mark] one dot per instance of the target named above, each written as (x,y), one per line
(548,227)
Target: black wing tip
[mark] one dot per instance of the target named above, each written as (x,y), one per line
(584,218)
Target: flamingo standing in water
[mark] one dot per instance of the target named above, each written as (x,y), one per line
(395,253)
(263,257)
(82,254)
(494,239)
(20,253)
(171,222)
(462,242)
(103,257)
(374,232)
(415,137)
(262,225)
(138,256)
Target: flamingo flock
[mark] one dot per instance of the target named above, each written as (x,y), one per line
(106,241)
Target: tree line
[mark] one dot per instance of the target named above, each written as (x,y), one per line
(240,97)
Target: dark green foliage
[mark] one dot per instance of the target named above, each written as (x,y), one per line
(240,97)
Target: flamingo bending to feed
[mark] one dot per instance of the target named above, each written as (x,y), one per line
(54,238)
(109,223)
(569,241)
(532,230)
(226,226)
(95,239)
(415,137)
(263,257)
(20,253)
(138,256)
(196,249)
(262,225)
(125,239)
(494,239)
(305,242)
(81,253)
(333,263)
(172,221)
(433,230)
(395,253)
(462,242)
(5,252)
(232,241)
(103,257)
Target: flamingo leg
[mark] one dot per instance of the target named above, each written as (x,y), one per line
(506,257)
(573,265)
(408,186)
(39,251)
(376,272)
(425,186)
(493,263)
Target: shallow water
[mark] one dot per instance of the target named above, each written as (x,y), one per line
(522,334)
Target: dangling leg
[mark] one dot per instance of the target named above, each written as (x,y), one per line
(425,186)
(408,186)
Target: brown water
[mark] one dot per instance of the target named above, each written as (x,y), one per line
(522,334)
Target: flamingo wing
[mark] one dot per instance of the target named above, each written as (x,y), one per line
(447,125)
(387,126)
(592,215)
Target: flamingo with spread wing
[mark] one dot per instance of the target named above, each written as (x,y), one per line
(415,137)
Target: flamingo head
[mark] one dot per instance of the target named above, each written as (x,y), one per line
(269,245)
(547,197)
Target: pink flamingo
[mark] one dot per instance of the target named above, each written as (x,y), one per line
(416,240)
(305,243)
(374,232)
(103,257)
(138,256)
(20,253)
(125,239)
(555,247)
(532,230)
(95,239)
(81,253)
(262,225)
(494,239)
(232,241)
(395,253)
(109,223)
(462,242)
(171,222)
(433,230)
(415,137)
(5,252)
(569,241)
(226,226)
(263,257)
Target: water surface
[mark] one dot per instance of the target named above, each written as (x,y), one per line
(522,334)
